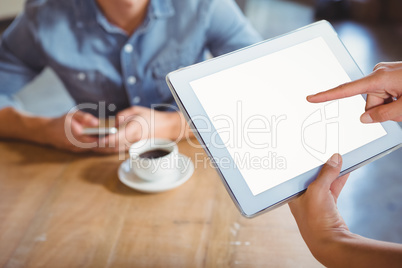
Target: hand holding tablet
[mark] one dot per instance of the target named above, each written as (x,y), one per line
(249,110)
(329,232)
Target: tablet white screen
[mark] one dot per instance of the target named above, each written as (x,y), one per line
(272,133)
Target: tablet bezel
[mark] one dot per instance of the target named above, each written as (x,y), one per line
(248,204)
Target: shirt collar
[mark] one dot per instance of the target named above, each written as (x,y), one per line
(161,8)
(88,11)
(103,21)
(85,12)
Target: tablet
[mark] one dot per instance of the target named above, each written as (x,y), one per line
(249,111)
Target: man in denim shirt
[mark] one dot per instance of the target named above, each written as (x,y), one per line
(115,55)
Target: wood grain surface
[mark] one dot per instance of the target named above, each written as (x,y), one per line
(60,209)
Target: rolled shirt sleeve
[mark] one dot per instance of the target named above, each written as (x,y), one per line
(20,59)
(228,29)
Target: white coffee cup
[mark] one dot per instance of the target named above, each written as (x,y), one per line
(154,159)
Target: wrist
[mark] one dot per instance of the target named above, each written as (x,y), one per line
(179,127)
(41,130)
(22,126)
(346,249)
(330,249)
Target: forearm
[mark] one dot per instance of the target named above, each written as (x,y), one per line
(179,127)
(351,250)
(184,131)
(17,125)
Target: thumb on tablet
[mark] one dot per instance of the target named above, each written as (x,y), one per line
(329,172)
(385,112)
(327,180)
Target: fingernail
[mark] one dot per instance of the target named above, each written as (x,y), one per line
(334,160)
(309,96)
(366,118)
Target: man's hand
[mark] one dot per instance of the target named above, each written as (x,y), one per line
(63,132)
(137,123)
(383,88)
(66,132)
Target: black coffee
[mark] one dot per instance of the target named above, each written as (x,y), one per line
(154,154)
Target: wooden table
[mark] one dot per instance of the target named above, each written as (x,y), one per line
(60,209)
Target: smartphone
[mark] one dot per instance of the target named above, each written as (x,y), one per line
(99,131)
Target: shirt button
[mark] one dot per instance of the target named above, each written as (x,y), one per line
(128,48)
(136,100)
(131,80)
(81,76)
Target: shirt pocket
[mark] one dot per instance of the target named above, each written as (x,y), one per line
(172,58)
(84,86)
(93,87)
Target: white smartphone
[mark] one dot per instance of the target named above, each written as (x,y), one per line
(99,131)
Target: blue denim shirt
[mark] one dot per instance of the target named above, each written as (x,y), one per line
(97,61)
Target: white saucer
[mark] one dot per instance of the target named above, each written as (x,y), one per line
(186,169)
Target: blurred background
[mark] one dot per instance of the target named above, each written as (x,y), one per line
(371,202)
